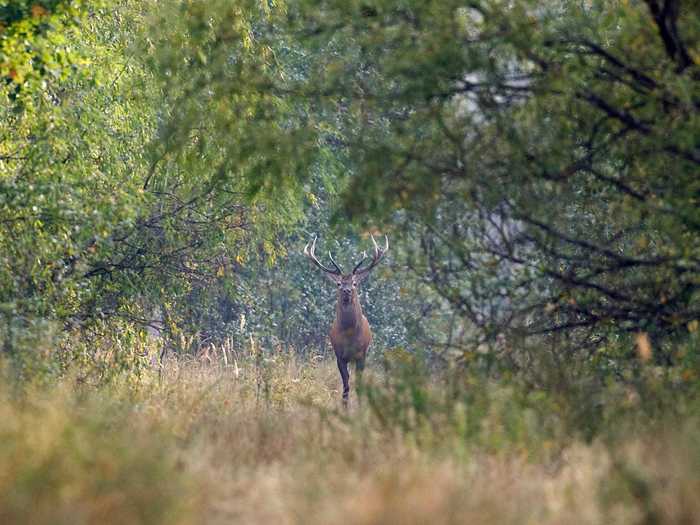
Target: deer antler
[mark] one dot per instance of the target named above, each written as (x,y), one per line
(310,253)
(364,258)
(376,257)
(338,268)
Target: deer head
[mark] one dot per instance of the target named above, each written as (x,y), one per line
(347,283)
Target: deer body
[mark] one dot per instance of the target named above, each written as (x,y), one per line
(351,336)
(350,333)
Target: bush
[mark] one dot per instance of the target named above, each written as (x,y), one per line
(80,459)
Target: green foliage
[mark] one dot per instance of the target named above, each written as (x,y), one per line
(102,219)
(550,150)
(455,123)
(223,118)
(36,54)
(65,179)
(536,410)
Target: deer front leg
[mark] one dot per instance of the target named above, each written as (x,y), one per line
(359,368)
(345,375)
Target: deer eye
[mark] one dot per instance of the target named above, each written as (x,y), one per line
(338,284)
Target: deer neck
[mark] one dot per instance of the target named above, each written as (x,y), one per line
(348,315)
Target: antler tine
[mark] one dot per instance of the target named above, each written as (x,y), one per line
(364,258)
(311,254)
(306,248)
(376,257)
(330,255)
(377,249)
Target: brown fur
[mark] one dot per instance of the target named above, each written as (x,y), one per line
(350,333)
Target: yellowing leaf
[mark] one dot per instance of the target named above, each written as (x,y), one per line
(38,11)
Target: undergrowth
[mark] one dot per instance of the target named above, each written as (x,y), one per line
(262,437)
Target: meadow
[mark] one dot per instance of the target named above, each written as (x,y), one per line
(264,439)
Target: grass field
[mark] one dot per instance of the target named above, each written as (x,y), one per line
(266,441)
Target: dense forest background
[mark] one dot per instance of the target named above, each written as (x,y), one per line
(535,165)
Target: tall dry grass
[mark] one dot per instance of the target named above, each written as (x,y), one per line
(266,441)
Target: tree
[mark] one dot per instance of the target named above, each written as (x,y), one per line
(551,152)
(101,219)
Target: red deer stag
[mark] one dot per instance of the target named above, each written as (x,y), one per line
(350,333)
